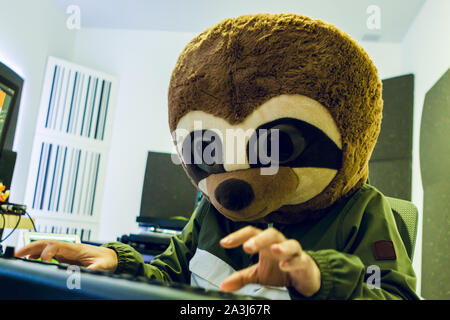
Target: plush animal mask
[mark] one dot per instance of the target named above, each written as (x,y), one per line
(304,78)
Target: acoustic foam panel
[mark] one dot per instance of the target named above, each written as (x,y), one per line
(392,177)
(435,169)
(390,164)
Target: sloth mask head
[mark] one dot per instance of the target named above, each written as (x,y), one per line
(284,80)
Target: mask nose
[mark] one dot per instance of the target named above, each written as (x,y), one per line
(234,194)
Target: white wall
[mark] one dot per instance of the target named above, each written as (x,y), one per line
(31,31)
(143,61)
(387,57)
(426,53)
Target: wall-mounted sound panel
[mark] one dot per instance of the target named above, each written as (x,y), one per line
(390,165)
(66,179)
(393,177)
(71,145)
(435,170)
(395,140)
(86,231)
(78,103)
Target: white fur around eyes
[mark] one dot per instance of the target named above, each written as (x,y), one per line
(203,187)
(283,106)
(311,182)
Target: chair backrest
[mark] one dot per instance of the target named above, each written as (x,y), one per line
(406,216)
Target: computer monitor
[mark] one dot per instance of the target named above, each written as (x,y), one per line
(167,193)
(10,92)
(6,97)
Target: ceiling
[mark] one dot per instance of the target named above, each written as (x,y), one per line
(196,15)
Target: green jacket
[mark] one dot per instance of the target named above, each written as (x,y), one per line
(345,245)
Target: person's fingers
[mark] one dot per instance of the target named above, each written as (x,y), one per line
(49,252)
(95,266)
(34,248)
(239,279)
(293,264)
(72,253)
(286,250)
(239,237)
(96,258)
(304,274)
(262,240)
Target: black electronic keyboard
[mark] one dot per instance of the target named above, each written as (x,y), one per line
(31,279)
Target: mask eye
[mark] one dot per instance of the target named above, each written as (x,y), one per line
(298,143)
(291,142)
(203,149)
(285,139)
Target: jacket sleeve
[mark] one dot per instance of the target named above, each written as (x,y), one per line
(361,270)
(172,265)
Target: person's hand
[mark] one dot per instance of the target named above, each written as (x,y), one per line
(282,262)
(91,257)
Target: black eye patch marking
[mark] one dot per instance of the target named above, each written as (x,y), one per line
(300,144)
(202,154)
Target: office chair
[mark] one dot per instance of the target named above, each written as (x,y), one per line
(406,216)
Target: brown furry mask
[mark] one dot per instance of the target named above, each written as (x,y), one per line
(275,116)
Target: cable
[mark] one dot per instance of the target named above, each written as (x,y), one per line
(4,221)
(15,227)
(1,229)
(34,227)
